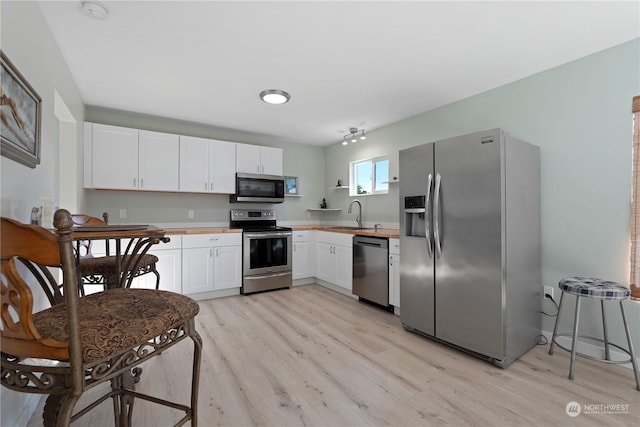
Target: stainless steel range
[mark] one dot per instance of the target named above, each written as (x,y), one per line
(266,250)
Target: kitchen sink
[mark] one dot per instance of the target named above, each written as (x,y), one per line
(346,227)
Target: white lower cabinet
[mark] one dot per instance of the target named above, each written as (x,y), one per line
(300,257)
(334,258)
(394,272)
(211,262)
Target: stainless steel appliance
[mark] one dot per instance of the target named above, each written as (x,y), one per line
(371,269)
(266,250)
(258,188)
(470,239)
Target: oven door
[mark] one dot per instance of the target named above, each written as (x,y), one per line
(266,252)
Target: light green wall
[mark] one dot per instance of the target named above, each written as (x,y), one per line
(26,40)
(580,115)
(303,161)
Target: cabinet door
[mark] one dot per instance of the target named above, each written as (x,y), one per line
(227,267)
(394,280)
(159,155)
(325,262)
(197,270)
(271,160)
(169,266)
(248,158)
(300,260)
(344,266)
(115,157)
(194,164)
(222,167)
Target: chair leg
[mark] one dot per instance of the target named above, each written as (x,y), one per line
(66,410)
(555,327)
(154,271)
(607,353)
(632,354)
(574,340)
(195,378)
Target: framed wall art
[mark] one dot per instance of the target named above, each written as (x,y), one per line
(20,113)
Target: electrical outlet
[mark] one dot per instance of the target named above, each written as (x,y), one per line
(123,213)
(548,290)
(190,213)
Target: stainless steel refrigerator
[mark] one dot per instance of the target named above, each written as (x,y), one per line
(470,241)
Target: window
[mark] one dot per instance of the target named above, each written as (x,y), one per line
(369,176)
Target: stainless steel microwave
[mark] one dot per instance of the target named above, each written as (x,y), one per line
(254,188)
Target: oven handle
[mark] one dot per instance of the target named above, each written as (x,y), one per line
(268,235)
(263,276)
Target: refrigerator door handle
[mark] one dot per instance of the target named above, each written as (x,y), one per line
(436,215)
(426,213)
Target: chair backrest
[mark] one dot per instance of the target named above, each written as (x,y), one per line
(36,248)
(82,219)
(84,246)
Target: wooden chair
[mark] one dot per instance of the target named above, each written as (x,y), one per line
(101,270)
(80,342)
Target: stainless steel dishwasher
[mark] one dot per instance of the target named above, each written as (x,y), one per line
(371,269)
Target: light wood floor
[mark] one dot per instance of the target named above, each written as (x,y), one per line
(309,356)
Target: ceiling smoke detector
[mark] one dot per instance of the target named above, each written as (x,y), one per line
(94,10)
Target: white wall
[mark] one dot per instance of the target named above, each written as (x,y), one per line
(28,43)
(580,115)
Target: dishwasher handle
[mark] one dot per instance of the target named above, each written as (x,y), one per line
(376,242)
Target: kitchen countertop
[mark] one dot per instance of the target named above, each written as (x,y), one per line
(392,233)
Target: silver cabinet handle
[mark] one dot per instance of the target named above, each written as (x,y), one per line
(141,182)
(427,233)
(436,216)
(391,260)
(211,253)
(206,186)
(134,182)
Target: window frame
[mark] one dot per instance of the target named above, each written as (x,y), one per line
(353,179)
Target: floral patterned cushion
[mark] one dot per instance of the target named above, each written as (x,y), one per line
(118,319)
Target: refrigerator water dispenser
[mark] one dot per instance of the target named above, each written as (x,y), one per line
(415,211)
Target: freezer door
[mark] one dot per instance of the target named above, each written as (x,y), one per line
(468,255)
(416,262)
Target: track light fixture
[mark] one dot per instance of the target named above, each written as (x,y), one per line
(352,136)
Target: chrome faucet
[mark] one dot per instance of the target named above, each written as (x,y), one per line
(359,217)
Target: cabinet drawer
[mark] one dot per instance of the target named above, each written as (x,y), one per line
(208,240)
(342,239)
(394,246)
(301,236)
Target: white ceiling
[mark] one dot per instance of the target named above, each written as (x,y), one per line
(358,63)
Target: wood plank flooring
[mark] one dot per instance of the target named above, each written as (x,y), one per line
(309,356)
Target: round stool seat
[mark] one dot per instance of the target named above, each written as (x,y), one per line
(594,288)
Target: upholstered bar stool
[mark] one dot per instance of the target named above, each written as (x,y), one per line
(585,287)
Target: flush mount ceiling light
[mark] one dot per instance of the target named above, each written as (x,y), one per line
(352,136)
(275,96)
(95,10)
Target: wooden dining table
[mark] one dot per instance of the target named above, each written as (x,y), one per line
(140,238)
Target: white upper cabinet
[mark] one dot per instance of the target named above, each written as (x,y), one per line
(127,159)
(194,164)
(207,165)
(258,159)
(114,157)
(157,161)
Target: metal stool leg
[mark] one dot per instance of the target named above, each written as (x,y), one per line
(634,363)
(555,327)
(574,340)
(607,354)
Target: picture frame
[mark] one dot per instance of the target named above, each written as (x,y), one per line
(20,116)
(291,185)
